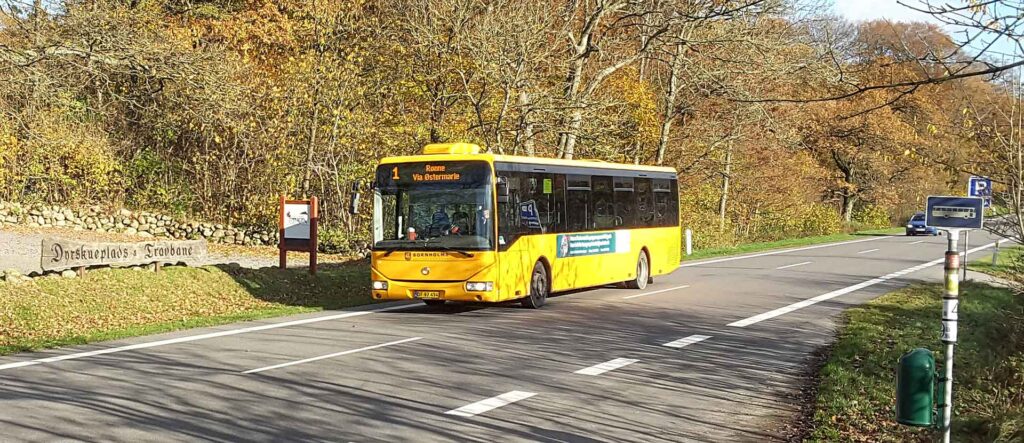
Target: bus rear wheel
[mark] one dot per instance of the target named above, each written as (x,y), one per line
(643,273)
(538,287)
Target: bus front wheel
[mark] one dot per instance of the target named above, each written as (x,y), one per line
(643,272)
(538,287)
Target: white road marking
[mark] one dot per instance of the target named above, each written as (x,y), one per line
(794,265)
(782,251)
(192,338)
(805,303)
(867,251)
(655,292)
(610,365)
(684,342)
(917,242)
(491,403)
(336,354)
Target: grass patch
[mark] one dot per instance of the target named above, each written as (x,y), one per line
(747,248)
(111,304)
(1006,265)
(117,303)
(856,396)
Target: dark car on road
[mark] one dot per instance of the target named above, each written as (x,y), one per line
(916,226)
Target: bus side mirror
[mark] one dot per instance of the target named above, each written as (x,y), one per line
(502,189)
(353,206)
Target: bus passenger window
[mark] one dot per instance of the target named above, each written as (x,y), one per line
(604,205)
(508,214)
(577,202)
(644,203)
(625,201)
(665,202)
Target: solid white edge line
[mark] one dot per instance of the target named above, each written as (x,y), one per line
(867,251)
(609,365)
(655,292)
(794,265)
(687,341)
(808,302)
(336,354)
(491,403)
(192,338)
(782,251)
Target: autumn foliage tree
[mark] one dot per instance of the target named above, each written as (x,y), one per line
(213,107)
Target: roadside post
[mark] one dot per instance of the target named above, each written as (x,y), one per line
(967,240)
(689,242)
(298,220)
(953,215)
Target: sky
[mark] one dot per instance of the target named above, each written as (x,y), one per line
(862,10)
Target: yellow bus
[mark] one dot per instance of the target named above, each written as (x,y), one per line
(453,224)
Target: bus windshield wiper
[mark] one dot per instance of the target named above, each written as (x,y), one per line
(450,249)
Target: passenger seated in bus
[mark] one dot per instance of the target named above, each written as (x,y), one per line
(439,222)
(460,223)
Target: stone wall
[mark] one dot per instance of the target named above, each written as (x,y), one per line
(140,223)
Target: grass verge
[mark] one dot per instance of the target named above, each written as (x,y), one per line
(116,303)
(856,395)
(111,304)
(747,248)
(1006,265)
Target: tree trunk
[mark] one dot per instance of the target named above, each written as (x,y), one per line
(669,111)
(848,201)
(525,133)
(568,148)
(723,200)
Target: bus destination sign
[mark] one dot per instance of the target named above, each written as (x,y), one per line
(467,173)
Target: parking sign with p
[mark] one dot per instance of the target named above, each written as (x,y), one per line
(980,187)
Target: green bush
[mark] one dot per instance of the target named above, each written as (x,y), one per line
(872,217)
(64,161)
(821,220)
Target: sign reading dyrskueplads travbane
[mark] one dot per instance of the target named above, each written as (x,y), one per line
(59,253)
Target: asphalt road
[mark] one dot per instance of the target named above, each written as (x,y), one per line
(590,366)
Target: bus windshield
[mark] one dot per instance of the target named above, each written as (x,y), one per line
(433,206)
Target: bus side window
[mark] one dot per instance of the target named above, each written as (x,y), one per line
(577,203)
(663,201)
(508,214)
(644,203)
(625,201)
(603,204)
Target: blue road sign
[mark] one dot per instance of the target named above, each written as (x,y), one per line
(955,212)
(980,187)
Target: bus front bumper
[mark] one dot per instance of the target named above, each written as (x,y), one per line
(414,290)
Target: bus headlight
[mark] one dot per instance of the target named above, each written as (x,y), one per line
(380,285)
(479,286)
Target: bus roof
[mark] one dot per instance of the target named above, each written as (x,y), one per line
(491,158)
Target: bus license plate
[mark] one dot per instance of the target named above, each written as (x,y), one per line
(428,295)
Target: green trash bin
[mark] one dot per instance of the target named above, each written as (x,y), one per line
(915,389)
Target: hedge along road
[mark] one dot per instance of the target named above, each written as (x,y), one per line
(713,352)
